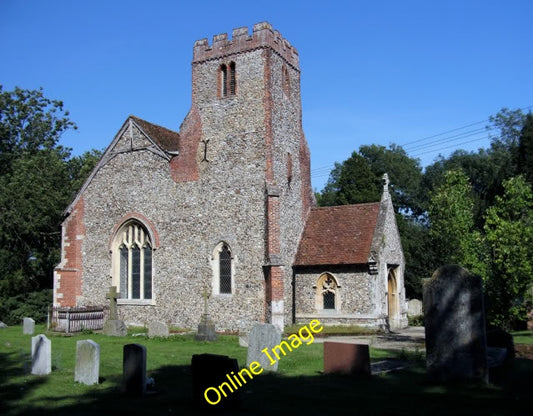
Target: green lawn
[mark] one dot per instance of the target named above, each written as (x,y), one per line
(298,388)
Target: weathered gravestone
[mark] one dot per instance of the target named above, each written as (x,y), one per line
(456,346)
(206,328)
(414,307)
(28,326)
(344,358)
(263,336)
(213,382)
(157,329)
(134,369)
(2,325)
(113,326)
(87,368)
(41,355)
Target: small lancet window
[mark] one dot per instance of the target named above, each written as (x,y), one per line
(227,80)
(225,269)
(286,82)
(327,293)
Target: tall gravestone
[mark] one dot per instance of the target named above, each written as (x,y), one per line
(262,336)
(41,355)
(87,368)
(134,369)
(456,346)
(114,326)
(28,326)
(206,328)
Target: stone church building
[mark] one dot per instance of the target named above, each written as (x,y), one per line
(226,205)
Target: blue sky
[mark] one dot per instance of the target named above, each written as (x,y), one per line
(373,72)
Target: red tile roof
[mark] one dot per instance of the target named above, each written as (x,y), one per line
(167,139)
(338,235)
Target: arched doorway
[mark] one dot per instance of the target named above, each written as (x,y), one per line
(392,298)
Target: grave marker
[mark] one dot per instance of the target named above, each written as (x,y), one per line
(206,328)
(262,336)
(28,326)
(134,369)
(114,326)
(157,329)
(456,343)
(41,355)
(344,358)
(87,368)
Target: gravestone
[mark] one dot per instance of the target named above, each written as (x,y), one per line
(87,368)
(41,355)
(211,370)
(206,328)
(262,336)
(2,325)
(157,329)
(28,326)
(456,346)
(414,307)
(134,369)
(344,358)
(113,326)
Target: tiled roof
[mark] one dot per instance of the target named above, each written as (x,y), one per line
(338,235)
(167,139)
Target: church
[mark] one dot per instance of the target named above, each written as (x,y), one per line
(225,205)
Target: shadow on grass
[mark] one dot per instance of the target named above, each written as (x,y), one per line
(402,393)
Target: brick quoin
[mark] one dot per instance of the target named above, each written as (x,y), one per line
(184,167)
(68,274)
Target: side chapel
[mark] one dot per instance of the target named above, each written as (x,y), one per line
(226,205)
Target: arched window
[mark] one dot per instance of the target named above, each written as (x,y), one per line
(227,80)
(132,259)
(222,263)
(327,293)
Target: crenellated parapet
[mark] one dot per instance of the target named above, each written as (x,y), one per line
(263,36)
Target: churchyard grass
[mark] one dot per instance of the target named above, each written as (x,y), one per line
(298,387)
(523,337)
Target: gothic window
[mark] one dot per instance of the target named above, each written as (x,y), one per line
(227,80)
(327,293)
(222,263)
(133,260)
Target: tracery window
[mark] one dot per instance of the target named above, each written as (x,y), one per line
(327,292)
(133,252)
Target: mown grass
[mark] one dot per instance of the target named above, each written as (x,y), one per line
(523,337)
(298,388)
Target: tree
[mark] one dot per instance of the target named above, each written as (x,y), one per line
(509,233)
(455,239)
(525,150)
(35,187)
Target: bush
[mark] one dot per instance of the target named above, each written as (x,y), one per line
(33,305)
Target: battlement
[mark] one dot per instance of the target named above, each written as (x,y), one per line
(262,36)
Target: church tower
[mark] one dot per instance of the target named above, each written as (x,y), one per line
(244,134)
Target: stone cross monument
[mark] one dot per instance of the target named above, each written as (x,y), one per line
(206,328)
(114,326)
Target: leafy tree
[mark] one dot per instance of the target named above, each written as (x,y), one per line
(351,182)
(37,180)
(525,150)
(509,233)
(455,239)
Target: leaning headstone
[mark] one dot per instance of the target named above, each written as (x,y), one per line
(113,326)
(87,368)
(41,355)
(157,329)
(456,346)
(213,386)
(2,325)
(344,358)
(28,326)
(134,369)
(263,336)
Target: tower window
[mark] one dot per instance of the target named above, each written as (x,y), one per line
(227,80)
(286,82)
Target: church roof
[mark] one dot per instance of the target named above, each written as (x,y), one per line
(167,139)
(338,235)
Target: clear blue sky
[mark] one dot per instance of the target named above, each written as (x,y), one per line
(372,71)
